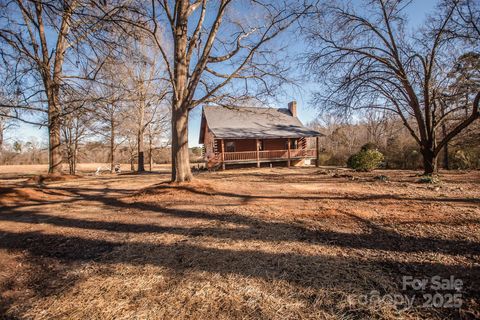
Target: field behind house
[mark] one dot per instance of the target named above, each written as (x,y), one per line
(277,243)
(24,171)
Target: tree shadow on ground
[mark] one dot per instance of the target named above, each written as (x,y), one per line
(315,272)
(376,238)
(336,175)
(166,186)
(318,271)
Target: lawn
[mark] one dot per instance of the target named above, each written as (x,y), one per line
(277,243)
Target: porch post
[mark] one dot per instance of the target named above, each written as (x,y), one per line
(258,153)
(288,151)
(317,150)
(223,153)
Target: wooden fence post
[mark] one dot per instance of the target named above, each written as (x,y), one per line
(317,147)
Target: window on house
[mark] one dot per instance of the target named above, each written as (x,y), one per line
(230,146)
(293,144)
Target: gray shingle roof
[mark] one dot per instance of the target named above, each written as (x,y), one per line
(254,123)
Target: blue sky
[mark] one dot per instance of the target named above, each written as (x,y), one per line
(417,12)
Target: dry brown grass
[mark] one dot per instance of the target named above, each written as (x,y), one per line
(270,243)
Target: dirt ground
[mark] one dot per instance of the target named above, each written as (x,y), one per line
(281,243)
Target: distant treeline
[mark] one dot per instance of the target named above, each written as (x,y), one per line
(341,140)
(392,139)
(25,153)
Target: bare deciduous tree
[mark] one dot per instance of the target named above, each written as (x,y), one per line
(147,90)
(465,22)
(205,46)
(368,61)
(157,135)
(109,109)
(75,128)
(36,38)
(5,124)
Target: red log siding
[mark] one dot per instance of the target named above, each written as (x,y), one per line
(208,141)
(274,144)
(243,145)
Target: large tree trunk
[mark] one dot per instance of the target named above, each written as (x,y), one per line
(429,161)
(445,148)
(1,134)
(71,166)
(112,147)
(53,86)
(150,158)
(180,157)
(54,139)
(141,130)
(69,156)
(75,153)
(141,149)
(68,142)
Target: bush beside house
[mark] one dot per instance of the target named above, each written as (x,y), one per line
(367,159)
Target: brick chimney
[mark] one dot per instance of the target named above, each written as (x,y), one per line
(292,106)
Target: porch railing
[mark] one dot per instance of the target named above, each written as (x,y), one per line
(268,154)
(239,156)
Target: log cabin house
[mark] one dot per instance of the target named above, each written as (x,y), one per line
(246,135)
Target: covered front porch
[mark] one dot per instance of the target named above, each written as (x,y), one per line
(257,151)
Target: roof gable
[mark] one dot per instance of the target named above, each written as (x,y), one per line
(253,123)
